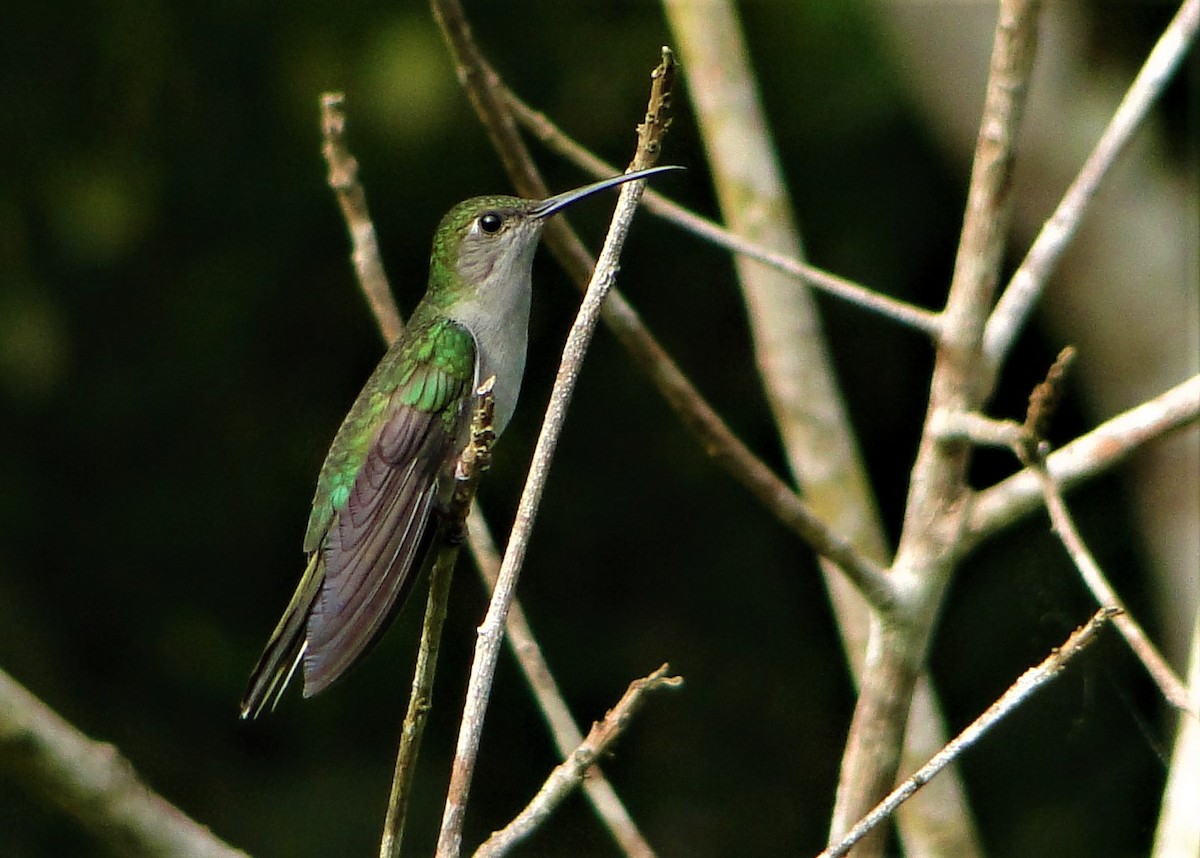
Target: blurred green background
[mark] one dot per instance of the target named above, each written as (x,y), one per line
(180,335)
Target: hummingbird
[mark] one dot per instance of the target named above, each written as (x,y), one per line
(390,468)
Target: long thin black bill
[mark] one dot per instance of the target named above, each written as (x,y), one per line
(558,202)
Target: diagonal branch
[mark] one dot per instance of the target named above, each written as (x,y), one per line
(1026,685)
(93,783)
(1169,684)
(1101,449)
(352,199)
(574,768)
(490,635)
(563,730)
(1030,279)
(657,203)
(714,435)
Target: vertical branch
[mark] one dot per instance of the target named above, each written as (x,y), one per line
(420,701)
(1178,831)
(797,372)
(938,492)
(472,462)
(563,730)
(343,176)
(1027,283)
(490,633)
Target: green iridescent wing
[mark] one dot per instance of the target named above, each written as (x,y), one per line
(372,512)
(370,551)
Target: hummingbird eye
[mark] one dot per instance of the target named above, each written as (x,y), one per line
(490,222)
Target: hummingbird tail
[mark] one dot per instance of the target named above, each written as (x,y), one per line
(285,649)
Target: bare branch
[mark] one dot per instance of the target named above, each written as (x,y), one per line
(1085,457)
(1030,279)
(549,699)
(657,203)
(1031,448)
(939,494)
(487,647)
(979,429)
(1178,831)
(343,179)
(1093,576)
(94,784)
(604,799)
(472,462)
(573,770)
(1020,691)
(1028,445)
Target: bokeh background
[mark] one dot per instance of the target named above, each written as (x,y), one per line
(180,335)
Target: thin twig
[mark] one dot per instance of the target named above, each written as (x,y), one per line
(1031,277)
(1026,442)
(1099,450)
(473,461)
(607,804)
(490,634)
(658,204)
(91,782)
(1031,449)
(343,179)
(577,765)
(563,730)
(1019,692)
(484,88)
(1093,576)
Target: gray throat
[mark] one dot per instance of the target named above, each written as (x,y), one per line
(498,319)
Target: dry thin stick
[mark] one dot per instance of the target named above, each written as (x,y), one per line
(1031,449)
(490,634)
(1101,449)
(939,494)
(607,804)
(94,784)
(487,647)
(1027,443)
(1027,283)
(474,460)
(577,765)
(343,179)
(656,203)
(1093,576)
(714,435)
(549,699)
(1020,691)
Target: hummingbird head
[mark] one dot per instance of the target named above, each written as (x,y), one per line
(489,242)
(480,276)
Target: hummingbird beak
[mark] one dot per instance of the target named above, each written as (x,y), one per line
(558,202)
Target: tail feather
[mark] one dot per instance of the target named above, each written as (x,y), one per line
(286,647)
